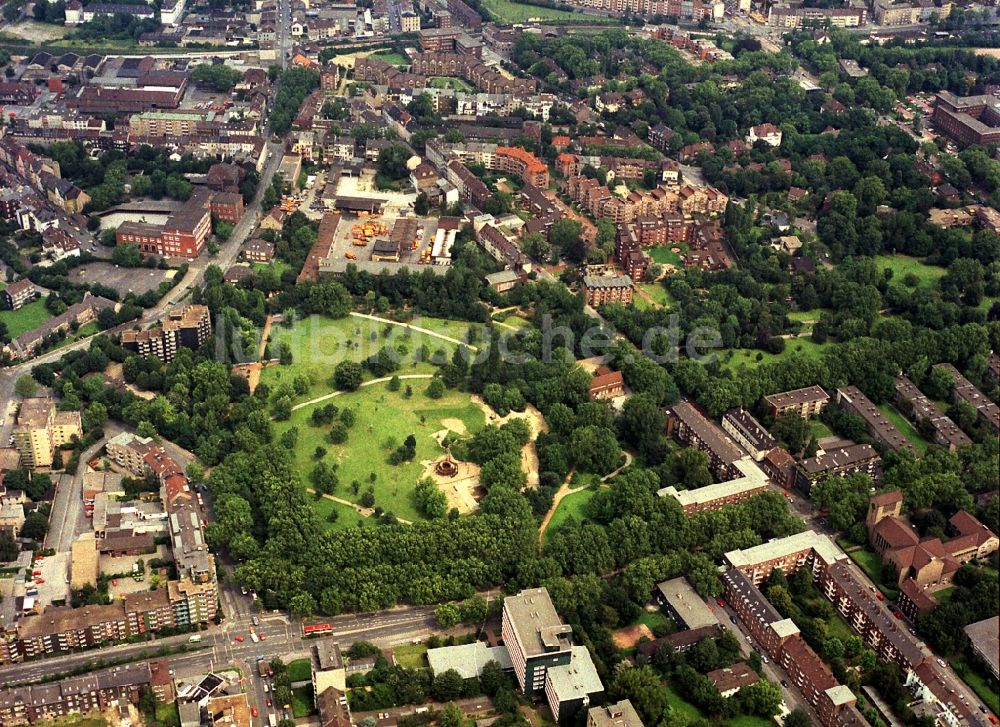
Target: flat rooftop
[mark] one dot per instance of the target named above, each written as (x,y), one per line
(537,626)
(783,547)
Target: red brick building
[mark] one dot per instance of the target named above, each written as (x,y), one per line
(602,289)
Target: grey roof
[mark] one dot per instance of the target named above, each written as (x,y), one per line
(467,659)
(575,680)
(688,605)
(620,714)
(984,634)
(537,627)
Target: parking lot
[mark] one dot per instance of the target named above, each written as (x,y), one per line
(124,280)
(54,571)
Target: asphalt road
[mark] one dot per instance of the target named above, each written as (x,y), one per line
(219,646)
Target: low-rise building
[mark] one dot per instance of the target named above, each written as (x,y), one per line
(878,426)
(983,641)
(837,461)
(912,402)
(806,402)
(681,603)
(619,714)
(731,679)
(987,412)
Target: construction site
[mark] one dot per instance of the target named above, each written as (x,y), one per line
(376,242)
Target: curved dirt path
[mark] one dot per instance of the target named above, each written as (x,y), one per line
(366,512)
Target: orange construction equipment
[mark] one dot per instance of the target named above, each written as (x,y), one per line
(350,255)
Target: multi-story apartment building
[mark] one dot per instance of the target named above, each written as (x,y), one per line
(96,691)
(928,418)
(129,451)
(987,412)
(630,255)
(535,637)
(779,637)
(227,206)
(531,170)
(40,430)
(796,17)
(691,427)
(806,402)
(838,461)
(603,289)
(968,119)
(19,293)
(189,328)
(166,123)
(748,433)
(878,426)
(751,481)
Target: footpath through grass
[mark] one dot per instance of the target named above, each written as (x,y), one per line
(384,419)
(571,506)
(318,344)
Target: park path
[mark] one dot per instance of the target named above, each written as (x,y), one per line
(364,511)
(264,336)
(565,490)
(412,327)
(332,394)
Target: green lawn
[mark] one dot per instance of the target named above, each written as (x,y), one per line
(396,59)
(279,266)
(734,358)
(94,719)
(26,318)
(901,265)
(652,619)
(746,720)
(450,82)
(657,292)
(944,595)
(571,505)
(902,424)
(300,670)
(984,687)
(819,429)
(681,707)
(511,12)
(302,701)
(384,419)
(411,656)
(318,344)
(167,714)
(347,517)
(664,255)
(871,564)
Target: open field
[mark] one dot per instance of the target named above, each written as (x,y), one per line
(383,421)
(751,357)
(903,425)
(511,12)
(652,619)
(411,656)
(318,344)
(37,32)
(902,265)
(571,506)
(26,318)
